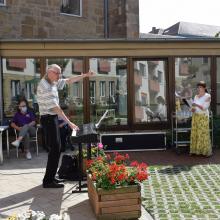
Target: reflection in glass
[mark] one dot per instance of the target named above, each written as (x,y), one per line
(71,97)
(218,86)
(20,79)
(108,90)
(150,91)
(188,72)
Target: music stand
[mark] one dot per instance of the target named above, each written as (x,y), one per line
(87,134)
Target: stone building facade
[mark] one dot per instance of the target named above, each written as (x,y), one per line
(44,19)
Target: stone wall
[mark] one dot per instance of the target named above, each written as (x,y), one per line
(41,19)
(132,19)
(124,18)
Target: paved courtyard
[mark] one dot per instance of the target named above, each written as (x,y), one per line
(179,187)
(183,192)
(21,189)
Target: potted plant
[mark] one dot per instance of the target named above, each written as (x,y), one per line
(114,186)
(96,150)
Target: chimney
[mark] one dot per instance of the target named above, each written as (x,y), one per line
(154,29)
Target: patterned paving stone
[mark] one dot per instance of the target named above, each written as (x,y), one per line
(183,192)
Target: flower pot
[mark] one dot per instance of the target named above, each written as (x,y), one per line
(120,203)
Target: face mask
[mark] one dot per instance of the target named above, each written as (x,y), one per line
(24,109)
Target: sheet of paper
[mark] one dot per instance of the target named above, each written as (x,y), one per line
(73,132)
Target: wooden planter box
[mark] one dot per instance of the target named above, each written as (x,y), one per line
(120,203)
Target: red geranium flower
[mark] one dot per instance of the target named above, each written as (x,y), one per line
(109,173)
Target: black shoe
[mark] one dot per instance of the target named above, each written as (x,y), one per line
(53,185)
(58,180)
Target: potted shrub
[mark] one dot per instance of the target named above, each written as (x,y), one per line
(113,186)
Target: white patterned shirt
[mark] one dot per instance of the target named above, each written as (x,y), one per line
(47,95)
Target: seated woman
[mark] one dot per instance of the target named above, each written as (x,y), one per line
(24,122)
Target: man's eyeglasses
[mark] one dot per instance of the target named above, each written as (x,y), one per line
(55,72)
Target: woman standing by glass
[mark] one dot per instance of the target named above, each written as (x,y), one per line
(200,143)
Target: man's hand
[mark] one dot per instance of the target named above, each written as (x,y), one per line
(73,126)
(90,73)
(80,77)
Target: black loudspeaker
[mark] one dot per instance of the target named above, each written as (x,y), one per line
(134,141)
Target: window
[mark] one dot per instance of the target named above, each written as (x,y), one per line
(150,91)
(142,69)
(29,90)
(102,88)
(104,66)
(111,88)
(71,96)
(205,60)
(160,76)
(77,66)
(20,79)
(2,2)
(15,88)
(73,7)
(76,89)
(92,91)
(108,90)
(187,76)
(37,65)
(16,64)
(111,92)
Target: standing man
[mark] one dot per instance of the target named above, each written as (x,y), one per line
(48,101)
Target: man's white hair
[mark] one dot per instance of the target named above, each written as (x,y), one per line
(54,67)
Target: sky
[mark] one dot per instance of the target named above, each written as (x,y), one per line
(165,13)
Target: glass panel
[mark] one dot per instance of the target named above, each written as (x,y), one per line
(150,91)
(188,72)
(218,86)
(108,90)
(2,2)
(71,7)
(20,79)
(71,97)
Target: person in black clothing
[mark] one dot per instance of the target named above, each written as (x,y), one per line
(49,108)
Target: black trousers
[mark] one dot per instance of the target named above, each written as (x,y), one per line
(50,124)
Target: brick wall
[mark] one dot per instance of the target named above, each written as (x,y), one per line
(34,19)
